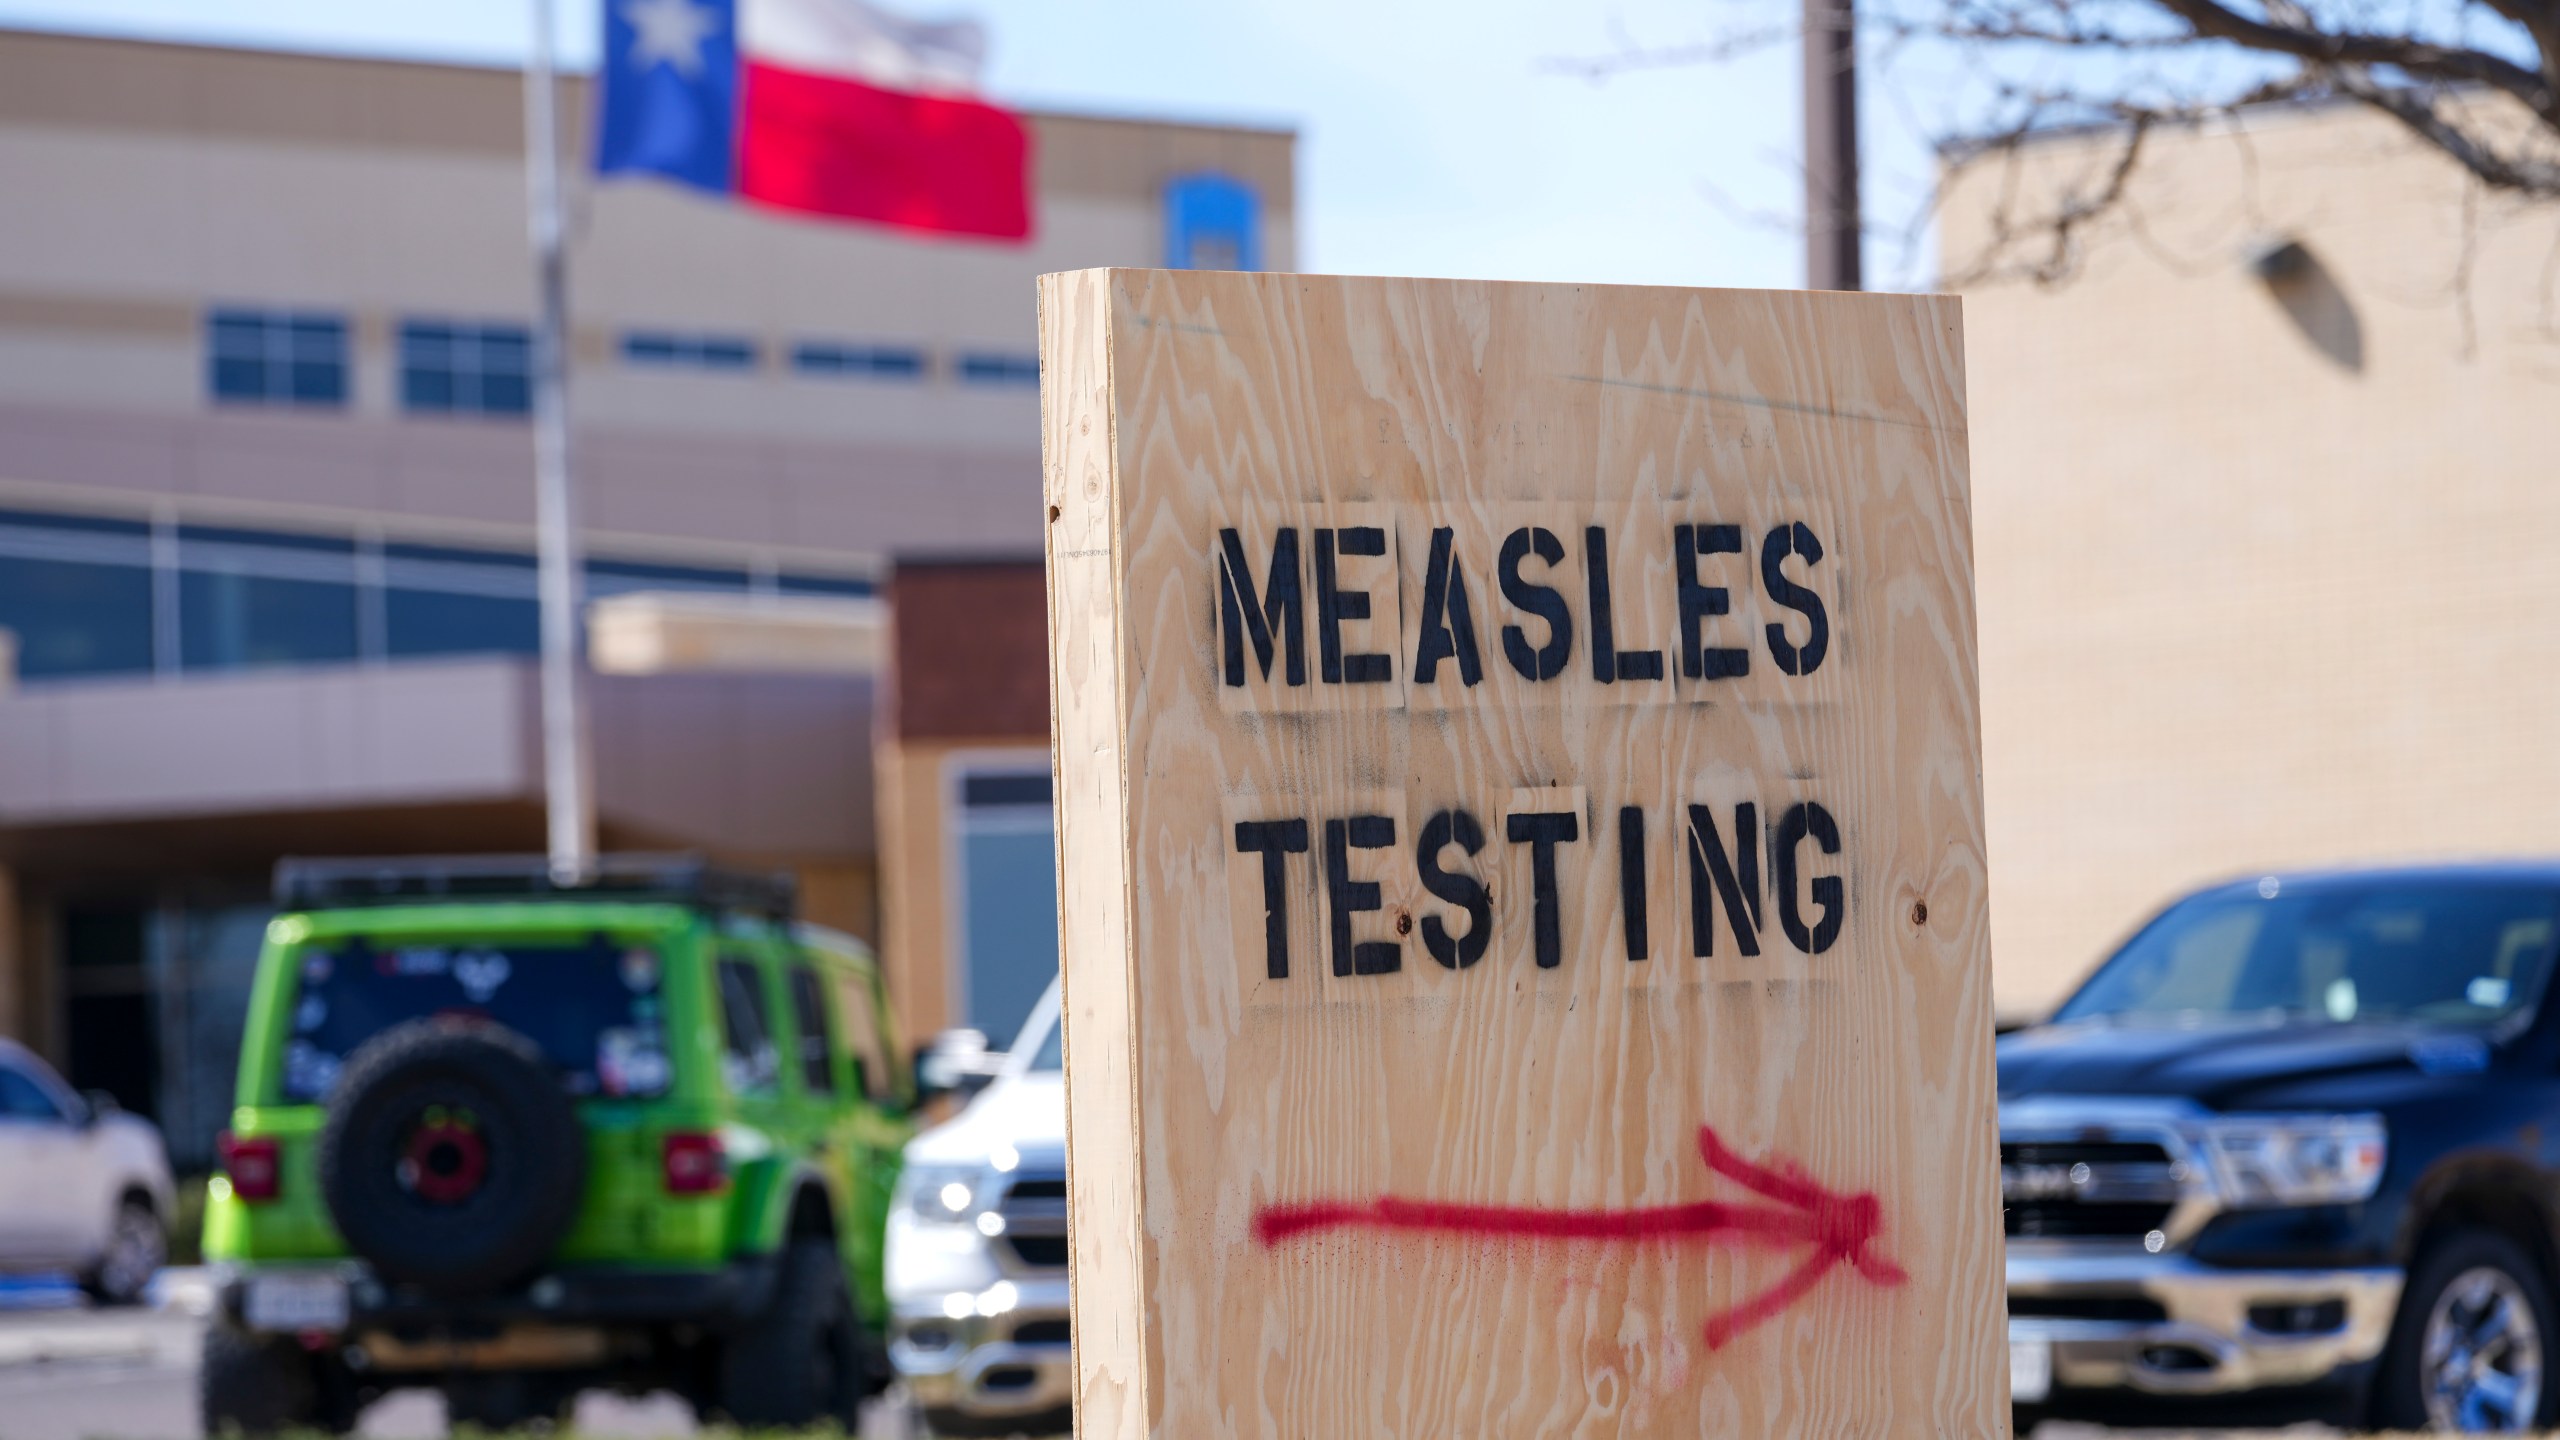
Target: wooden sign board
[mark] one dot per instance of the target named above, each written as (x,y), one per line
(1521,860)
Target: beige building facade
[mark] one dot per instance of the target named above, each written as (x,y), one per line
(2265,527)
(266,499)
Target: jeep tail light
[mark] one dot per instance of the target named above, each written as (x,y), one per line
(253,1165)
(694,1163)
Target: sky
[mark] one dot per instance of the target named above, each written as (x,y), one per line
(1436,137)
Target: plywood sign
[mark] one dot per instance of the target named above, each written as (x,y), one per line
(1521,865)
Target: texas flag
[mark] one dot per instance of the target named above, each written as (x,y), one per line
(829,107)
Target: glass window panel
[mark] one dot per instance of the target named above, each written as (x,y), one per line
(506,348)
(239,379)
(289,359)
(750,1058)
(621,576)
(434,622)
(1009,907)
(76,619)
(235,333)
(505,395)
(227,619)
(275,539)
(403,550)
(821,585)
(986,369)
(422,389)
(814,1029)
(93,524)
(316,383)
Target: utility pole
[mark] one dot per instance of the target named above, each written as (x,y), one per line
(1832,227)
(568,780)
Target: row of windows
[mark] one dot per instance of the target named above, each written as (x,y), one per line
(819,357)
(93,596)
(303,358)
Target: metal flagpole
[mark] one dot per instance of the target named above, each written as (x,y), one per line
(568,781)
(1833,226)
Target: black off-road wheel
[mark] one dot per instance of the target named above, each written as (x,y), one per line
(2473,1345)
(263,1385)
(800,1363)
(451,1158)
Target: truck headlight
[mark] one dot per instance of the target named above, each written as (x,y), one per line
(2268,1160)
(942,1194)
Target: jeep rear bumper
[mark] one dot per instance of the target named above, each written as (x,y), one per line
(2114,1317)
(715,1298)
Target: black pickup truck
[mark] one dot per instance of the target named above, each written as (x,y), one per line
(2294,1152)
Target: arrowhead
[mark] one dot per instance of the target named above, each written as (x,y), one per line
(1844,1227)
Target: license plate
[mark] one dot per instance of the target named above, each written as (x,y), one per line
(2030,1368)
(296,1302)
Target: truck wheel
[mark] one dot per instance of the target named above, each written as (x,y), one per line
(800,1362)
(451,1157)
(136,1247)
(2471,1347)
(253,1385)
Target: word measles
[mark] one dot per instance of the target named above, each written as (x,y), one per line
(1264,610)
(1720,875)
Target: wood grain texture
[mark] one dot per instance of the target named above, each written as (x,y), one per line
(1204,1089)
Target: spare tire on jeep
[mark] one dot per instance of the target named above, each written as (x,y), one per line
(451,1157)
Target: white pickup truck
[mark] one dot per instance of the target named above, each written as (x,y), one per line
(977,1264)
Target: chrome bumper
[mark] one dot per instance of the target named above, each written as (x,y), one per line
(976,1365)
(2206,1344)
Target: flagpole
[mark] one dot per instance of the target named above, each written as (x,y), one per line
(568,779)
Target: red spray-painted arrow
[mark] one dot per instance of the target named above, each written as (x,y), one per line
(1840,1228)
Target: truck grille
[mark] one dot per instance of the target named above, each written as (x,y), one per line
(1035,1220)
(2086,1187)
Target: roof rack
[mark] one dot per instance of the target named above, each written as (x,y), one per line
(691,880)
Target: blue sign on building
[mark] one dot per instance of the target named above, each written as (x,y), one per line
(1212,222)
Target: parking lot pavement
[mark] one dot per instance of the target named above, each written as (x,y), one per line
(68,1372)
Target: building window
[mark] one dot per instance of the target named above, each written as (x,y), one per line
(844,586)
(257,357)
(443,600)
(989,368)
(250,597)
(859,362)
(76,591)
(88,595)
(1004,890)
(621,577)
(700,352)
(448,368)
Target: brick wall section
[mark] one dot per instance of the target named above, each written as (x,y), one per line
(971,647)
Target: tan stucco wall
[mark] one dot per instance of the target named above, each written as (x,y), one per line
(2256,593)
(915,893)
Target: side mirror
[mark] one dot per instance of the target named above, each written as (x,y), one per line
(956,1063)
(96,1105)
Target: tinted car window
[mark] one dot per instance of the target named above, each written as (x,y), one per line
(816,1034)
(592,1006)
(751,1063)
(21,1098)
(2335,951)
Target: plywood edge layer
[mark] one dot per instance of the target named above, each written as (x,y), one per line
(1088,720)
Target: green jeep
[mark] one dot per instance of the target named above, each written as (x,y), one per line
(513,1141)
